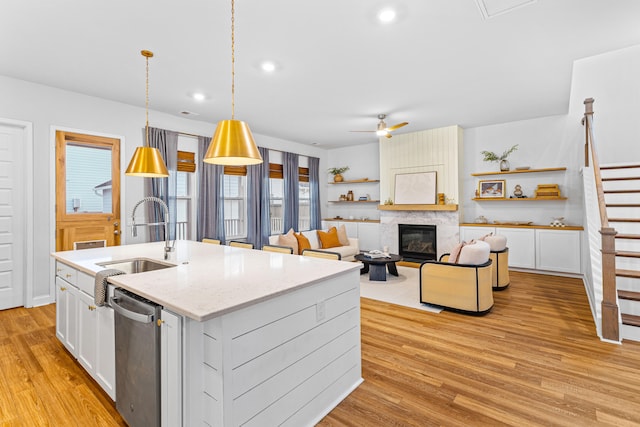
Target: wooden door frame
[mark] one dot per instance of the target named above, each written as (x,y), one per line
(52,191)
(27,176)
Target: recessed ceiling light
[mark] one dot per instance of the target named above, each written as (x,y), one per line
(387,15)
(199,96)
(268,66)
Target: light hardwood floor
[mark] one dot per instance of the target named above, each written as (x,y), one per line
(534,360)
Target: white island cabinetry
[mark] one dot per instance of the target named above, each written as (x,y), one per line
(86,330)
(248,337)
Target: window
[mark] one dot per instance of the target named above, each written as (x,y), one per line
(276,205)
(304,213)
(186,193)
(184,207)
(235,206)
(276,199)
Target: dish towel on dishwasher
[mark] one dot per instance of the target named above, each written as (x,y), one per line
(100,288)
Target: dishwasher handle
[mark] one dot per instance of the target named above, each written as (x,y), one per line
(138,317)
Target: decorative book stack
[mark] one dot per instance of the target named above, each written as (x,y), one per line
(547,191)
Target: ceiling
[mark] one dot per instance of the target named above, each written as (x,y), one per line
(337,67)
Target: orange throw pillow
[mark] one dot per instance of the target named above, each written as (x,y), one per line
(329,239)
(303,242)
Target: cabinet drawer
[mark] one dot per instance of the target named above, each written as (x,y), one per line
(85,283)
(67,273)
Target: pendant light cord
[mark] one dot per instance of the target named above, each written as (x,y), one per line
(146,105)
(233,62)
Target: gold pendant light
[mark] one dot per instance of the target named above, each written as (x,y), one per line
(147,161)
(232,142)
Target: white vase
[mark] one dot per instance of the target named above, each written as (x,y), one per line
(504,165)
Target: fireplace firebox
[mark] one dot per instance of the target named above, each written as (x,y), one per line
(417,242)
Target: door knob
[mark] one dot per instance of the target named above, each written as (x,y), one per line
(116,232)
(115,224)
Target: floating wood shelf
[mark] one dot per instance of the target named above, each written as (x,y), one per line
(518,171)
(545,227)
(354,201)
(519,199)
(418,207)
(356,181)
(375,221)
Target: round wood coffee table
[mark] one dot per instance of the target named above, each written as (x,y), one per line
(376,267)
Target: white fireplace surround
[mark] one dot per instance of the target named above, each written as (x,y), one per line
(446,222)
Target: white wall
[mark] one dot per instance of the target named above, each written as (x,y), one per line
(612,79)
(363,162)
(48,107)
(544,142)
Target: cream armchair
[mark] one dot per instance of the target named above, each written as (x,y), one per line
(466,288)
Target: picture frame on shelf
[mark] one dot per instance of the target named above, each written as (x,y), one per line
(491,189)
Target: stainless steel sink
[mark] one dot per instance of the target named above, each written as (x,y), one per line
(136,265)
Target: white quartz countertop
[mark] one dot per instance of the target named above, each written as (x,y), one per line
(208,280)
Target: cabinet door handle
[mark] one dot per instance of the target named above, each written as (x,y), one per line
(91,307)
(68,275)
(63,288)
(159,322)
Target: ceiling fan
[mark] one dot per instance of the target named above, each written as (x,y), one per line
(383,129)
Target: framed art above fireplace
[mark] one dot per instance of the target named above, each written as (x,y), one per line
(415,188)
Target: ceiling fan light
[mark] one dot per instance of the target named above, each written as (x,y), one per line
(382,132)
(232,144)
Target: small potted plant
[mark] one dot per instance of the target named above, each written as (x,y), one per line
(337,173)
(490,156)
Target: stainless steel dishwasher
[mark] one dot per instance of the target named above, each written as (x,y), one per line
(137,359)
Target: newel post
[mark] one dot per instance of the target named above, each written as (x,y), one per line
(610,324)
(588,111)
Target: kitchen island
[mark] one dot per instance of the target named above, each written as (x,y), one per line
(249,337)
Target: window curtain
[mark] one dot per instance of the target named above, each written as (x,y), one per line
(314,193)
(259,221)
(163,188)
(291,191)
(211,196)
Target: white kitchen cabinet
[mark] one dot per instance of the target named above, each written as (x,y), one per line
(470,233)
(521,244)
(105,362)
(85,330)
(558,250)
(67,315)
(369,236)
(171,369)
(96,342)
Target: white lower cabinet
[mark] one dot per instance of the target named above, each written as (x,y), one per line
(558,250)
(369,236)
(67,315)
(521,243)
(171,369)
(468,234)
(86,331)
(87,339)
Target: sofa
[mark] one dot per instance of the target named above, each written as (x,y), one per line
(347,252)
